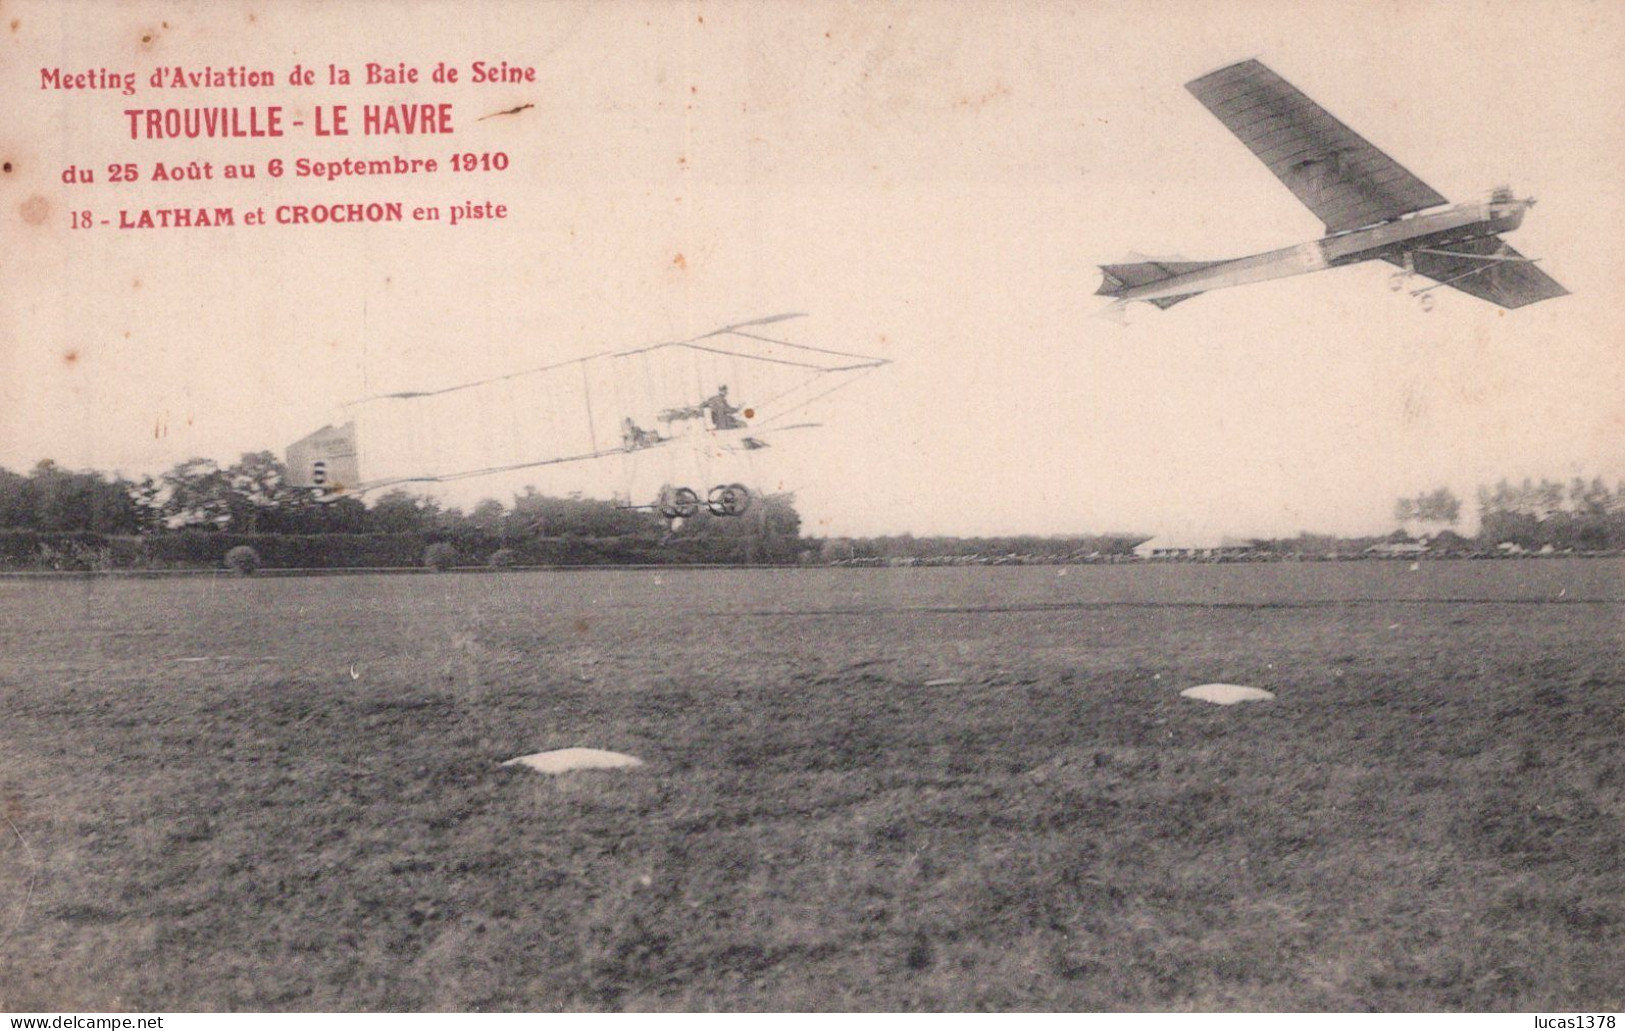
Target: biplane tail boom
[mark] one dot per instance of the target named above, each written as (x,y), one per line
(326,460)
(1129,280)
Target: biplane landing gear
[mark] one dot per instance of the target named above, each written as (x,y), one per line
(730,500)
(1426,301)
(680,503)
(1407,266)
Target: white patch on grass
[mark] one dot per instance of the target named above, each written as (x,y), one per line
(1227,694)
(567,760)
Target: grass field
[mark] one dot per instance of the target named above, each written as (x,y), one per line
(920,789)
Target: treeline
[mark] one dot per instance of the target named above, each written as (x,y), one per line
(1020,549)
(195,513)
(1583,516)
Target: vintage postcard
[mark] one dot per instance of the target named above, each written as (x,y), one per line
(913,505)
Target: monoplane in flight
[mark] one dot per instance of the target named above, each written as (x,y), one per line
(664,413)
(1372,207)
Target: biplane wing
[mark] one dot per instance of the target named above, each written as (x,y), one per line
(643,406)
(1336,173)
(1487,268)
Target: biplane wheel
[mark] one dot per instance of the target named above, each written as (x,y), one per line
(1396,282)
(730,500)
(1427,302)
(684,502)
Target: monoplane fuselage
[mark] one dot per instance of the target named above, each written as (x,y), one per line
(1434,231)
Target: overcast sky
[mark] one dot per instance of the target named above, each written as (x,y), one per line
(932,183)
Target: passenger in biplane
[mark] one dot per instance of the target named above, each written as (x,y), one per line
(634,436)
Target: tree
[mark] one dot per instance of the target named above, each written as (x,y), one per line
(258,489)
(488,516)
(529,515)
(16,510)
(53,499)
(1548,498)
(1441,506)
(145,495)
(195,494)
(835,549)
(402,512)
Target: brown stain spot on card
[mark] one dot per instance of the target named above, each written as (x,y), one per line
(693,89)
(7,167)
(135,284)
(680,262)
(750,413)
(16,23)
(999,90)
(35,210)
(70,358)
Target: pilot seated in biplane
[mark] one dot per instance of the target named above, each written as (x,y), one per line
(721,412)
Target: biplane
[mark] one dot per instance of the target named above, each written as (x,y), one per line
(1372,207)
(664,412)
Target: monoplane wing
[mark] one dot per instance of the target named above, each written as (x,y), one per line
(1337,174)
(1487,268)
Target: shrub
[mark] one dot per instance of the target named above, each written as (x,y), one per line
(502,558)
(243,560)
(440,556)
